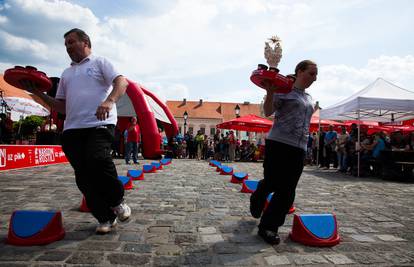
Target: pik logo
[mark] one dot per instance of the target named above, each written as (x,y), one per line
(3,157)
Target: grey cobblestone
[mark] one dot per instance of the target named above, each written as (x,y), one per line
(129,259)
(189,215)
(86,258)
(277,260)
(309,259)
(367,258)
(339,259)
(54,256)
(137,248)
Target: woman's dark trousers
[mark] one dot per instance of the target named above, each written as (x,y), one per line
(283,166)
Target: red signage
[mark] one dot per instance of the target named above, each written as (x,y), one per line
(21,156)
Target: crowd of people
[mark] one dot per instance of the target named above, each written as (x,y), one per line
(339,150)
(222,146)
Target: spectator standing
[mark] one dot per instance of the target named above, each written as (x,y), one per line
(199,141)
(232,146)
(133,138)
(321,147)
(341,149)
(330,148)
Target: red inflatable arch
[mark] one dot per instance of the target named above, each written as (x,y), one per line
(151,138)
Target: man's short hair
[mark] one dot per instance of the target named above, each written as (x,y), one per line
(81,35)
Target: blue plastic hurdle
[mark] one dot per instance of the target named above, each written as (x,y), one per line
(148,168)
(249,186)
(34,227)
(126,182)
(239,177)
(157,165)
(226,170)
(166,161)
(136,174)
(214,163)
(319,230)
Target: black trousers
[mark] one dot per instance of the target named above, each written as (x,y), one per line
(283,166)
(89,152)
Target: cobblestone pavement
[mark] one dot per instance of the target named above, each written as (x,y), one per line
(189,215)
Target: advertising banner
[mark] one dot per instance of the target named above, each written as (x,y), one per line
(24,156)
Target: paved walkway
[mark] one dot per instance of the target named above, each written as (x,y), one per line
(188,215)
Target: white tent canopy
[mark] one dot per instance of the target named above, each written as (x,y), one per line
(380,101)
(22,107)
(126,109)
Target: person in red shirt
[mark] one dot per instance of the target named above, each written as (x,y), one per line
(232,146)
(133,138)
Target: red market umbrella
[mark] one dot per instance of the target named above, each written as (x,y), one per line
(315,122)
(249,123)
(361,123)
(396,128)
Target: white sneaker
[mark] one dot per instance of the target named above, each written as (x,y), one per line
(123,211)
(106,227)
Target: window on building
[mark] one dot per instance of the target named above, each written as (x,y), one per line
(212,131)
(203,130)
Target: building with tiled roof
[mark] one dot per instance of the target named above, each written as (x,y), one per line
(204,115)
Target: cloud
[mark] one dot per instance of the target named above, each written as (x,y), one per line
(337,82)
(207,49)
(31,31)
(17,47)
(168,91)
(44,20)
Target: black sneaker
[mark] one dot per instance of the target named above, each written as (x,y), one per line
(257,203)
(269,236)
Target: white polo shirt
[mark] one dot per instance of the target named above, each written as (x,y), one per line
(84,86)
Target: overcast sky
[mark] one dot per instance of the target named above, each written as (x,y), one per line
(207,49)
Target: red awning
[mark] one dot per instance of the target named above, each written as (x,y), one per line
(249,123)
(314,123)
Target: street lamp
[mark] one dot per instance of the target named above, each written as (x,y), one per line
(237,111)
(185,116)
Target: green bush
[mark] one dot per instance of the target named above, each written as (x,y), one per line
(28,126)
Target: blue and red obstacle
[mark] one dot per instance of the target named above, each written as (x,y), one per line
(226,170)
(135,174)
(239,177)
(166,161)
(83,206)
(149,168)
(157,165)
(249,186)
(126,182)
(29,228)
(320,230)
(214,163)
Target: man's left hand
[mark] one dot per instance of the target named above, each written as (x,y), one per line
(102,112)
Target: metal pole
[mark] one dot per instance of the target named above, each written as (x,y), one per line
(319,138)
(359,140)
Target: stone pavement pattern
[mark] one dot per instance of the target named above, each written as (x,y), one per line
(189,215)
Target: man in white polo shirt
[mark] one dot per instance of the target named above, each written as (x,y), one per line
(87,93)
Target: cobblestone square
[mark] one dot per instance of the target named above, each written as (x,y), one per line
(189,215)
